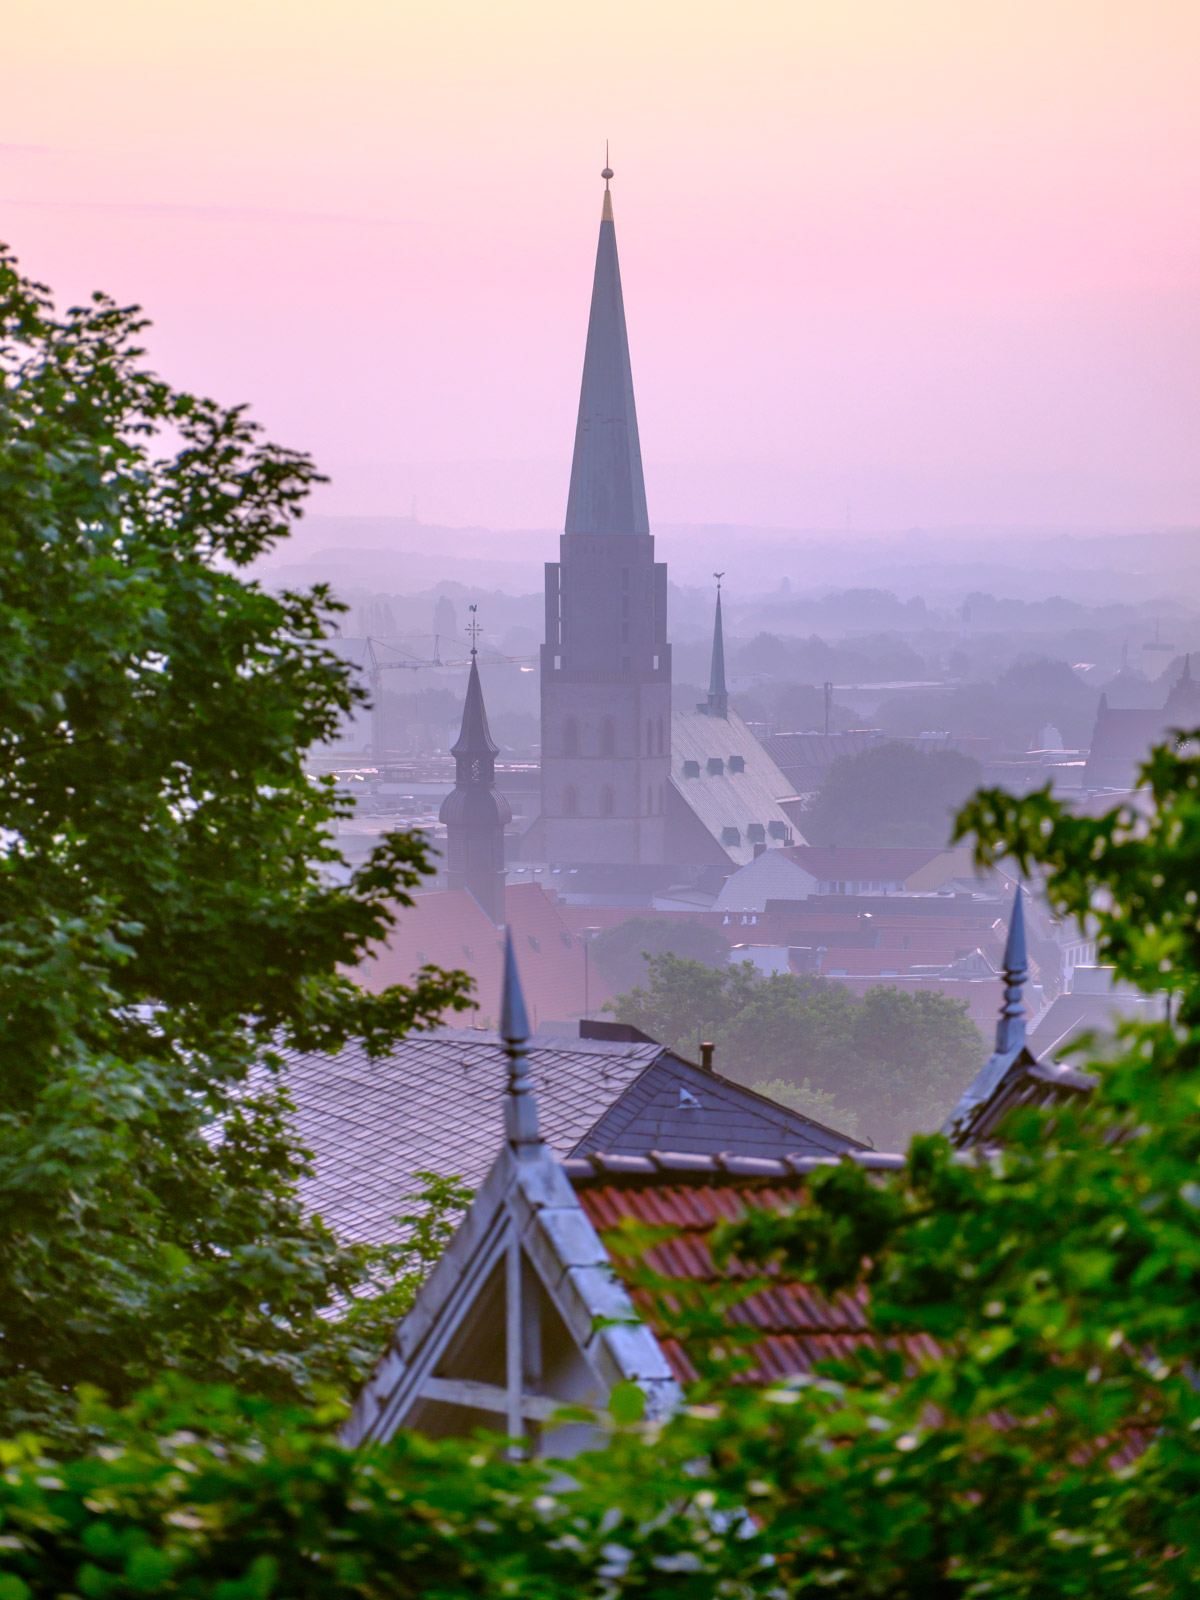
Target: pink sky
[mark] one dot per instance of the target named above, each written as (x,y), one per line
(936,260)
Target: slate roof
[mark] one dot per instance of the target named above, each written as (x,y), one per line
(436,1104)
(727,799)
(608,493)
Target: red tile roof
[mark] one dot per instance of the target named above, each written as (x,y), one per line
(794,1326)
(452,931)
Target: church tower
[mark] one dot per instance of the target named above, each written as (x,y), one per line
(606,663)
(473,812)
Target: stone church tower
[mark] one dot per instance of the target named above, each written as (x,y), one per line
(606,663)
(473,812)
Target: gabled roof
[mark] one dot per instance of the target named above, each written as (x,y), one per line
(1012,1075)
(434,1104)
(794,1325)
(450,929)
(723,798)
(862,863)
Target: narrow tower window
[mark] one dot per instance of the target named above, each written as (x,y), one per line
(608,737)
(606,800)
(570,737)
(570,801)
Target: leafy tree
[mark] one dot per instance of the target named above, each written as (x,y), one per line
(891,794)
(165,919)
(621,952)
(888,1064)
(1039,1440)
(686,1000)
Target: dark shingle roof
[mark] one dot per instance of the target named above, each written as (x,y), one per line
(435,1104)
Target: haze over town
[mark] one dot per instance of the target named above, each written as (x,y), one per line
(593,846)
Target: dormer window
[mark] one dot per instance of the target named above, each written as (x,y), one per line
(715,766)
(691,769)
(737,763)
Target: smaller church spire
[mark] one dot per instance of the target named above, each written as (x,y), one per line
(520,1102)
(474,813)
(1010,1029)
(717,704)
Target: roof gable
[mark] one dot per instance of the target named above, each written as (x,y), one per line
(521,1316)
(678,1106)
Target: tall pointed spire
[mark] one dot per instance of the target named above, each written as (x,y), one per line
(718,695)
(1010,1029)
(520,1103)
(608,493)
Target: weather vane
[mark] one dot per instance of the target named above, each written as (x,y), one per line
(607,173)
(718,576)
(473,628)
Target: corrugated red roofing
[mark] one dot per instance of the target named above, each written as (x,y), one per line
(795,1325)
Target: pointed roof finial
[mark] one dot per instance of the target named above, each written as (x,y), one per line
(474,736)
(608,171)
(520,1104)
(474,629)
(1010,1029)
(717,704)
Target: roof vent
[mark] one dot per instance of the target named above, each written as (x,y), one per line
(731,836)
(691,769)
(737,763)
(755,832)
(688,1101)
(715,766)
(777,830)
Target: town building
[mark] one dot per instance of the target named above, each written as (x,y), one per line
(606,663)
(432,1102)
(1122,739)
(529,1310)
(474,813)
(798,871)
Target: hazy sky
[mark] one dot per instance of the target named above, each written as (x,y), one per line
(934,261)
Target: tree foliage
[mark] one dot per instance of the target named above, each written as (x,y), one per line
(883,1066)
(165,919)
(891,794)
(621,952)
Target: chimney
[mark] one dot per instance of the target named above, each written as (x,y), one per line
(706,1057)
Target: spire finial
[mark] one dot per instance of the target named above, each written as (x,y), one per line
(1010,1029)
(717,704)
(608,171)
(474,629)
(520,1105)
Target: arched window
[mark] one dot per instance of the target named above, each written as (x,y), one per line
(608,738)
(662,743)
(606,800)
(570,801)
(570,737)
